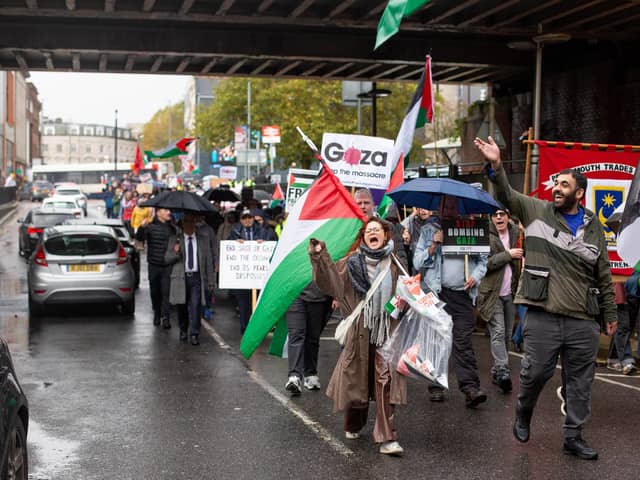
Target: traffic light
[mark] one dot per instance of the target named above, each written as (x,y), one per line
(255,139)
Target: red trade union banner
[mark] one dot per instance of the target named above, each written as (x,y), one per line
(609,171)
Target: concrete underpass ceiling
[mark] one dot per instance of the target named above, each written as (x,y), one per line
(315,39)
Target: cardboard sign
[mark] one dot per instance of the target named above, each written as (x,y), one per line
(465,236)
(229,173)
(244,266)
(143,188)
(358,160)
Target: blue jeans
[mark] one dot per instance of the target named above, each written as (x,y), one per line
(500,328)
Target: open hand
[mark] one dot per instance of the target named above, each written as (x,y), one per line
(490,150)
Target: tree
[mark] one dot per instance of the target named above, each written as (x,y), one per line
(165,127)
(313,105)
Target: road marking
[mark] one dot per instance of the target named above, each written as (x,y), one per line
(598,376)
(314,426)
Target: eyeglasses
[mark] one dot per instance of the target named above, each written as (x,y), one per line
(500,214)
(373,230)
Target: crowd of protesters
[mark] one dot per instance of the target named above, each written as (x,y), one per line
(183,253)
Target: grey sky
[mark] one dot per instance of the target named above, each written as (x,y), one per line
(94,97)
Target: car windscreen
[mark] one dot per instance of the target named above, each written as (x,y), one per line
(81,244)
(59,204)
(41,184)
(68,192)
(50,219)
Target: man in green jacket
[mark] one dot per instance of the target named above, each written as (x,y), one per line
(566,282)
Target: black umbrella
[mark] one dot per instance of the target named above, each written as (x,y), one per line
(261,195)
(180,200)
(221,195)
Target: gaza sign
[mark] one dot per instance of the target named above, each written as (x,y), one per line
(359,160)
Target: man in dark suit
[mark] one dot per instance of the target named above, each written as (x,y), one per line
(192,277)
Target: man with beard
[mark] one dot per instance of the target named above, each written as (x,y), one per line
(565,284)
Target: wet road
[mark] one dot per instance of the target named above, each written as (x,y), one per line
(114,397)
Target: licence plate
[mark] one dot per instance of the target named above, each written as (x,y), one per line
(89,267)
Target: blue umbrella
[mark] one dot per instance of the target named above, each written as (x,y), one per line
(428,193)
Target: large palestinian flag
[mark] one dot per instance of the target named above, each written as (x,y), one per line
(178,148)
(325,211)
(419,113)
(629,231)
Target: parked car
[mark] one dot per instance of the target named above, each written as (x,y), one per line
(80,264)
(69,202)
(14,420)
(122,234)
(40,190)
(24,192)
(71,190)
(33,224)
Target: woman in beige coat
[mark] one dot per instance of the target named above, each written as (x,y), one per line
(361,373)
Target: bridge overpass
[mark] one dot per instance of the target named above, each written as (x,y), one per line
(470,40)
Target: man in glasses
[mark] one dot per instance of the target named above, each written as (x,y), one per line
(495,294)
(566,283)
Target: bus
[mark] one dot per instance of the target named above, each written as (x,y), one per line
(91,177)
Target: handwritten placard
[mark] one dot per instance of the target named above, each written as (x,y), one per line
(244,266)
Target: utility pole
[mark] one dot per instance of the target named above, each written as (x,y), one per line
(115,147)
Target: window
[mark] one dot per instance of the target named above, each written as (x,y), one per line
(109,132)
(88,131)
(87,148)
(74,148)
(126,134)
(74,130)
(100,131)
(59,148)
(50,130)
(101,148)
(45,147)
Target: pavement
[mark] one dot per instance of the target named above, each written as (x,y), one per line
(114,397)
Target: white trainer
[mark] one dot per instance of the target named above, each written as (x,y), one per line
(563,403)
(391,448)
(293,386)
(352,435)
(312,382)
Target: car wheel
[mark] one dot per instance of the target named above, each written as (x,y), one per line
(17,465)
(129,307)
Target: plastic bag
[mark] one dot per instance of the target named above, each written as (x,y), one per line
(420,346)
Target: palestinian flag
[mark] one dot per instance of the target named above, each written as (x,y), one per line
(178,148)
(325,211)
(393,14)
(277,197)
(419,113)
(630,224)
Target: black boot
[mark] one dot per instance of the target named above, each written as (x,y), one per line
(166,323)
(578,447)
(522,425)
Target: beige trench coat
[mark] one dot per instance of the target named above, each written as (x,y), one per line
(349,382)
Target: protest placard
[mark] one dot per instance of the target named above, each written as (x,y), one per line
(245,265)
(465,235)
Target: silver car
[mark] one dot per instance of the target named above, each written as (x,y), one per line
(80,264)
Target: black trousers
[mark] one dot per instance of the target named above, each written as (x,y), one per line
(189,313)
(159,285)
(305,322)
(460,308)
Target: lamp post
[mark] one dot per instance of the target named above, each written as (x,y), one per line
(374,94)
(115,147)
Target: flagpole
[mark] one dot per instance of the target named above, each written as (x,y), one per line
(527,165)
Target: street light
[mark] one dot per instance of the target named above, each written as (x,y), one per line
(115,147)
(373,94)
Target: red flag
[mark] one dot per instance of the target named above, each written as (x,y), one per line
(138,163)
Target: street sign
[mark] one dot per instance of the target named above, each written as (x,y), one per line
(240,137)
(271,134)
(465,235)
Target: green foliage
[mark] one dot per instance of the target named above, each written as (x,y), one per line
(156,130)
(314,106)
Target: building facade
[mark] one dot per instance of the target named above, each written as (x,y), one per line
(82,143)
(200,94)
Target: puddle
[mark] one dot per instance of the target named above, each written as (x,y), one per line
(50,455)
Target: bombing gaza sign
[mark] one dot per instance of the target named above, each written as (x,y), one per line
(358,160)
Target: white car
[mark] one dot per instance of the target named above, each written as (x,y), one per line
(64,203)
(71,190)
